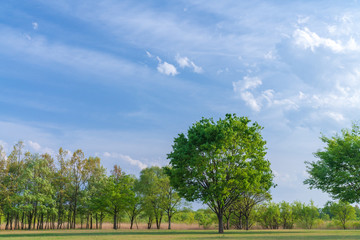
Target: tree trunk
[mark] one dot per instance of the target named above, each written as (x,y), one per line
(91,223)
(96,219)
(22,221)
(247,222)
(16,221)
(169,220)
(115,220)
(221,226)
(149,223)
(7,221)
(11,222)
(131,222)
(101,219)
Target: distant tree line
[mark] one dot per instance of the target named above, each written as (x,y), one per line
(285,215)
(40,192)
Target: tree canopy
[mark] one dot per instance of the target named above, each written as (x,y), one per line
(216,162)
(337,170)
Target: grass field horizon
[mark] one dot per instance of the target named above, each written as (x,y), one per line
(293,234)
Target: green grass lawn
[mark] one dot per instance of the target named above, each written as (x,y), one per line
(181,234)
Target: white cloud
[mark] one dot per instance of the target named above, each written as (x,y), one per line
(270,56)
(107,154)
(28,37)
(126,158)
(149,54)
(336,116)
(34,145)
(167,69)
(35,25)
(133,162)
(185,62)
(250,100)
(39,149)
(307,39)
(242,88)
(332,29)
(302,20)
(285,178)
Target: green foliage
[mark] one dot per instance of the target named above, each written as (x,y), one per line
(343,212)
(337,170)
(269,215)
(305,214)
(185,216)
(326,212)
(216,162)
(153,193)
(286,215)
(118,193)
(205,218)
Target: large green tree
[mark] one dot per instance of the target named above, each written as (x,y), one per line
(337,170)
(216,162)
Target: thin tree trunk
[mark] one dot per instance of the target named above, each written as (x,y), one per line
(11,222)
(169,220)
(131,222)
(115,220)
(96,217)
(149,223)
(7,221)
(91,222)
(22,221)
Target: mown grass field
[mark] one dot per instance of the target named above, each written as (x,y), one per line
(180,234)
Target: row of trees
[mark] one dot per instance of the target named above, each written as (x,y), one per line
(37,192)
(285,215)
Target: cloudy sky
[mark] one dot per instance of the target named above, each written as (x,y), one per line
(120,79)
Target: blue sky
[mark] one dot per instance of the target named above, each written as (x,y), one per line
(120,79)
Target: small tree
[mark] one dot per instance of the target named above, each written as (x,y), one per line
(245,204)
(119,193)
(343,212)
(170,199)
(305,214)
(269,215)
(286,215)
(136,201)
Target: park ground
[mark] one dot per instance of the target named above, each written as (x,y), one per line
(180,234)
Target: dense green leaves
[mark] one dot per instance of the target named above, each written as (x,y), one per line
(337,171)
(216,162)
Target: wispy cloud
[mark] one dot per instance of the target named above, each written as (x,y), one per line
(308,39)
(185,62)
(126,158)
(39,50)
(243,87)
(35,25)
